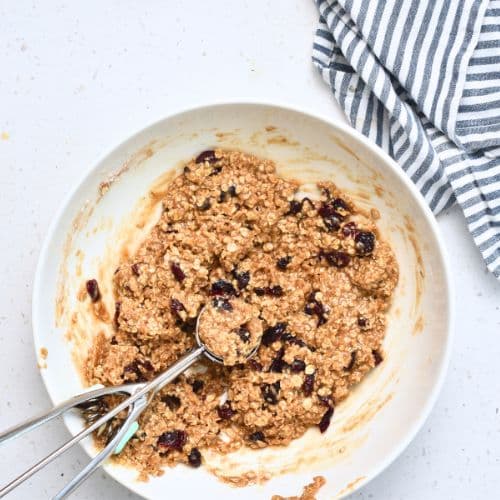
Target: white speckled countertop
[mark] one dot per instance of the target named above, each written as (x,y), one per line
(78,77)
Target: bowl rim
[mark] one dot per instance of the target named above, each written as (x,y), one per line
(338,127)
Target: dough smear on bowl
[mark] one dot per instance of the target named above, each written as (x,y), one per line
(312,278)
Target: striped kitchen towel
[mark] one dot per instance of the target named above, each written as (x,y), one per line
(421,78)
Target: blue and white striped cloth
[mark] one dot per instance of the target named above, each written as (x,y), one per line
(421,78)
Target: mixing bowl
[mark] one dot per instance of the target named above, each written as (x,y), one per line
(106,210)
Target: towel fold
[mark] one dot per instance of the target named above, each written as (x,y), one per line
(421,78)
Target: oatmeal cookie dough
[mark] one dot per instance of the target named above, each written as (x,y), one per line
(230,329)
(319,274)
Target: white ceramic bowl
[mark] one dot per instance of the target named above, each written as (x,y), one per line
(374,425)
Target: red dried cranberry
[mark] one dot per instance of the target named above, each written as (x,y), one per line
(340,205)
(146,364)
(277,364)
(270,392)
(208,155)
(332,222)
(308,384)
(174,440)
(222,197)
(272,291)
(273,333)
(337,259)
(325,420)
(242,279)
(275,291)
(231,191)
(176,306)
(294,208)
(352,362)
(349,230)
(362,321)
(292,339)
(194,458)
(222,303)
(188,326)
(172,401)
(225,411)
(116,318)
(177,272)
(314,307)
(215,171)
(257,436)
(365,243)
(205,205)
(136,269)
(377,357)
(197,386)
(93,290)
(297,366)
(282,262)
(243,333)
(255,365)
(222,287)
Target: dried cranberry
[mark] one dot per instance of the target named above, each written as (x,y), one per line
(270,392)
(362,321)
(116,318)
(172,401)
(225,411)
(146,364)
(377,357)
(257,436)
(208,155)
(292,339)
(332,222)
(194,457)
(178,273)
(215,171)
(273,333)
(340,206)
(231,191)
(242,278)
(188,326)
(352,362)
(255,365)
(136,269)
(222,287)
(282,262)
(272,291)
(205,205)
(197,386)
(326,400)
(298,366)
(275,291)
(315,307)
(277,364)
(174,440)
(222,303)
(244,334)
(176,306)
(365,242)
(308,384)
(325,420)
(349,230)
(337,258)
(93,290)
(222,197)
(294,208)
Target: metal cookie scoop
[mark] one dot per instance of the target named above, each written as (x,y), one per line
(139,397)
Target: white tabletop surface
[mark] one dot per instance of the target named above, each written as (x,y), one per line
(78,77)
